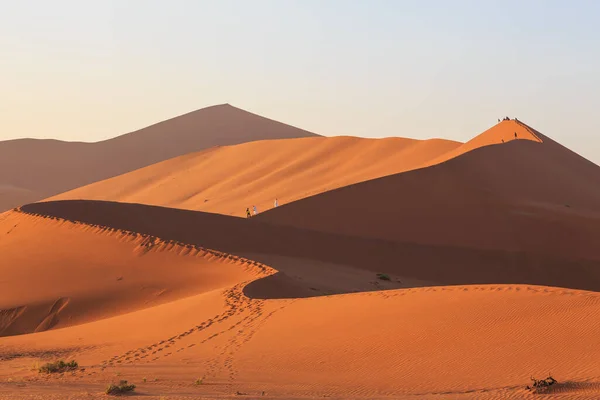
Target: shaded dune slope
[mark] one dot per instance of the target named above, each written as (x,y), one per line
(228,179)
(520,196)
(49,167)
(275,245)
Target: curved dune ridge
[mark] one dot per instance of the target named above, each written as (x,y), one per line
(56,273)
(228,179)
(294,348)
(44,168)
(289,249)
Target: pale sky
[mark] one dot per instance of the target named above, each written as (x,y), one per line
(87,70)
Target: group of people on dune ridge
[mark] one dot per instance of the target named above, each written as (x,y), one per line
(255,211)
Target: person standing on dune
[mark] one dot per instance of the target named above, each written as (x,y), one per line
(254,209)
(248,213)
(276,203)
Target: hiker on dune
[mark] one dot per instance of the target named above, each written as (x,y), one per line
(276,203)
(254,209)
(248,215)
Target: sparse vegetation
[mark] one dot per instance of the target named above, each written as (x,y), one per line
(199,381)
(384,277)
(122,388)
(58,367)
(541,385)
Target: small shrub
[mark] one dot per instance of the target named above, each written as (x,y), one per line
(58,367)
(384,277)
(122,388)
(144,380)
(541,385)
(199,381)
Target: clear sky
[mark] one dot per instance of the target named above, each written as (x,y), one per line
(90,70)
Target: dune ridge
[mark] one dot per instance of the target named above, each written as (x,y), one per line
(279,245)
(143,271)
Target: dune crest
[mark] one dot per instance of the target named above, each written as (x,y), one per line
(106,272)
(503,132)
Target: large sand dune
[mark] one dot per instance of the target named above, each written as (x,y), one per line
(445,342)
(226,180)
(490,249)
(43,168)
(56,274)
(523,195)
(280,246)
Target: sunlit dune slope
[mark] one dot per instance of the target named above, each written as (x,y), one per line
(335,263)
(227,180)
(523,195)
(49,167)
(479,342)
(55,274)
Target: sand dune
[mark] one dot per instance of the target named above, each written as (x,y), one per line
(226,180)
(229,179)
(282,247)
(48,167)
(445,342)
(522,195)
(56,274)
(471,245)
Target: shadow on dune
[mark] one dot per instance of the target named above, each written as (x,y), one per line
(442,265)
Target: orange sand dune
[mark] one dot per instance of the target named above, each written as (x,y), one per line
(49,167)
(519,216)
(523,195)
(503,132)
(56,274)
(226,180)
(287,249)
(475,341)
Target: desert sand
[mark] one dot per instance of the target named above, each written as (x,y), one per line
(227,180)
(497,283)
(43,168)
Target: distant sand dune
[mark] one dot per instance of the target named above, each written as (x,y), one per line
(47,167)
